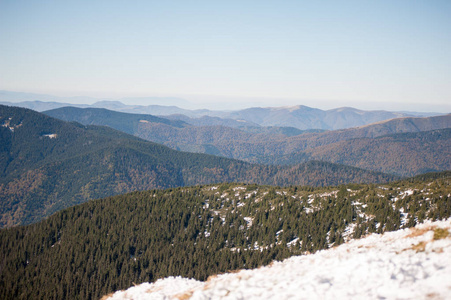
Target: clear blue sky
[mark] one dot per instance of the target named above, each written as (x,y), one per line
(368,54)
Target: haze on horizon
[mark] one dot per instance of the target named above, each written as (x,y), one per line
(391,55)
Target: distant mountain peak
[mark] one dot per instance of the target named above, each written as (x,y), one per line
(293,108)
(111,104)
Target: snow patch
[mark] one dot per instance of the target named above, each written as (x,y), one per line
(249,221)
(167,288)
(51,135)
(238,188)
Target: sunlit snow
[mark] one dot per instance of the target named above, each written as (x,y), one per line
(51,135)
(406,264)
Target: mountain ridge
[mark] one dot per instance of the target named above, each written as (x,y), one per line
(105,245)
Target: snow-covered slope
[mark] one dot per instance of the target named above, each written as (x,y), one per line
(407,264)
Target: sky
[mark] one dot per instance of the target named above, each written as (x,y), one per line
(392,55)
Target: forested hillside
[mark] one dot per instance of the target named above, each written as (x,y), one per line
(124,122)
(105,245)
(404,154)
(47,165)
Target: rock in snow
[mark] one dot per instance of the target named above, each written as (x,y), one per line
(406,264)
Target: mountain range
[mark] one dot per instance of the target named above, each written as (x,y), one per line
(47,164)
(301,117)
(164,212)
(386,146)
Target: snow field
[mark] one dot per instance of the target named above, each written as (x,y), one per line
(406,264)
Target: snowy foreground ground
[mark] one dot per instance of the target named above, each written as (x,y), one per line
(406,264)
